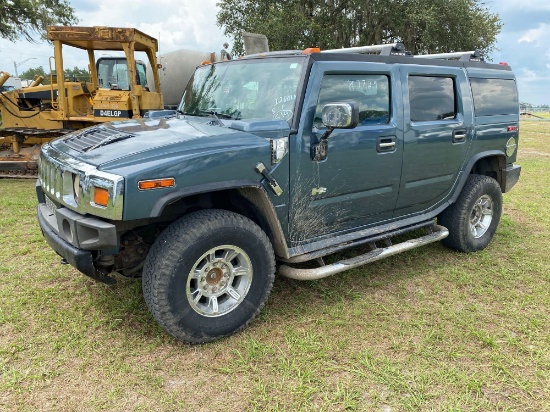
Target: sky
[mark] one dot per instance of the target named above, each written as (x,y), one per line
(191,24)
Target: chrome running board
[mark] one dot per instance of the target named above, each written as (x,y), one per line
(438,233)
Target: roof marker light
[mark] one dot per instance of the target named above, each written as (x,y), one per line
(310,50)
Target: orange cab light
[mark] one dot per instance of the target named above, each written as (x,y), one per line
(312,50)
(156,183)
(101,196)
(205,62)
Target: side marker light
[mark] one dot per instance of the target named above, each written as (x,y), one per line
(156,183)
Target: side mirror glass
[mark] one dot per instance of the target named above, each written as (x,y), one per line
(340,115)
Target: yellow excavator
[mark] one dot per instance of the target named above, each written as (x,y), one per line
(117,90)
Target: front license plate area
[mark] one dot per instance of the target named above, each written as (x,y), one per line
(51,206)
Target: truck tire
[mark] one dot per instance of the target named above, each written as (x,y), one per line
(473,219)
(208,275)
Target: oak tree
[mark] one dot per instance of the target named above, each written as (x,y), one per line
(424,26)
(28,18)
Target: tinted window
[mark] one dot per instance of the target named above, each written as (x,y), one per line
(431,98)
(494,96)
(371,92)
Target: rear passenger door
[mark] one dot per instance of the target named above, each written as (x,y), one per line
(437,133)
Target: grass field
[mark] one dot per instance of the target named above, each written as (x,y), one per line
(429,329)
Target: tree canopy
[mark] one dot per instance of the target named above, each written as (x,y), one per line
(28,18)
(424,26)
(81,75)
(32,72)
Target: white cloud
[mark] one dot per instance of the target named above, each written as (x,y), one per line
(513,5)
(542,32)
(189,24)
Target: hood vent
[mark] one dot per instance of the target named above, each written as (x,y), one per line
(94,137)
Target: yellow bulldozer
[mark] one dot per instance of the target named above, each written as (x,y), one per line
(117,89)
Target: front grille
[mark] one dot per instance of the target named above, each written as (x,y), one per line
(93,137)
(51,178)
(70,183)
(57,181)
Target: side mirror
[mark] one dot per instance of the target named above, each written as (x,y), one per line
(340,115)
(335,116)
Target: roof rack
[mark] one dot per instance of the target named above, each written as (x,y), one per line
(465,56)
(390,49)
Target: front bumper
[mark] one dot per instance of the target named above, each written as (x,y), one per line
(75,238)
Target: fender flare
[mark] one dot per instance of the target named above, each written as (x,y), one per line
(468,168)
(250,190)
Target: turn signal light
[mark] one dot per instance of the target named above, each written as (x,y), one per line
(101,196)
(156,183)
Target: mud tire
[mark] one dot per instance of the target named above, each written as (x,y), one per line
(469,229)
(171,281)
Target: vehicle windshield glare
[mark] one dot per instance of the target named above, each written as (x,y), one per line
(246,89)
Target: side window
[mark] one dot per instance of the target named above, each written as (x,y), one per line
(493,97)
(431,98)
(369,91)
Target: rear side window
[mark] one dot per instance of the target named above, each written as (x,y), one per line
(369,91)
(431,98)
(493,97)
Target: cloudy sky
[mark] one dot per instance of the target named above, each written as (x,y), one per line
(190,24)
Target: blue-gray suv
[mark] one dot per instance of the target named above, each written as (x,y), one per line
(277,159)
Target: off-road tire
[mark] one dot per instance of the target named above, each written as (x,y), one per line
(480,194)
(168,282)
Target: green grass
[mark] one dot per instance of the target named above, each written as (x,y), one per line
(430,329)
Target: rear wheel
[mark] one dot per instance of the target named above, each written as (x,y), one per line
(473,219)
(208,275)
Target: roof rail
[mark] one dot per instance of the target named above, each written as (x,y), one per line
(465,56)
(389,49)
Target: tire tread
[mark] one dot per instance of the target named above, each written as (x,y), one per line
(164,254)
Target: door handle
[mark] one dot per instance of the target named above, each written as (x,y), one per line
(385,144)
(459,135)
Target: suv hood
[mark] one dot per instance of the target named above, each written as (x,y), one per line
(111,145)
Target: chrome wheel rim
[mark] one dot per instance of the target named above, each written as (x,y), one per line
(481,216)
(219,280)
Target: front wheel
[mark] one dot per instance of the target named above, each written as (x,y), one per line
(473,219)
(208,275)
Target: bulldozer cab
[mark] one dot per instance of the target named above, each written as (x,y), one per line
(110,75)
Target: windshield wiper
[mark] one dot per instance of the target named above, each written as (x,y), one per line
(216,115)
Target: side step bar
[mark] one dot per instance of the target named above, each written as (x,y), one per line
(438,233)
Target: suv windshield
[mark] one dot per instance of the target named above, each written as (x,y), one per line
(245,89)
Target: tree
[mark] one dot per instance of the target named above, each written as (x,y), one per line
(29,18)
(38,71)
(424,26)
(81,75)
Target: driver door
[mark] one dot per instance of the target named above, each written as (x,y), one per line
(358,182)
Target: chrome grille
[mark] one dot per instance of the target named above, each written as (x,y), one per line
(51,178)
(93,137)
(70,182)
